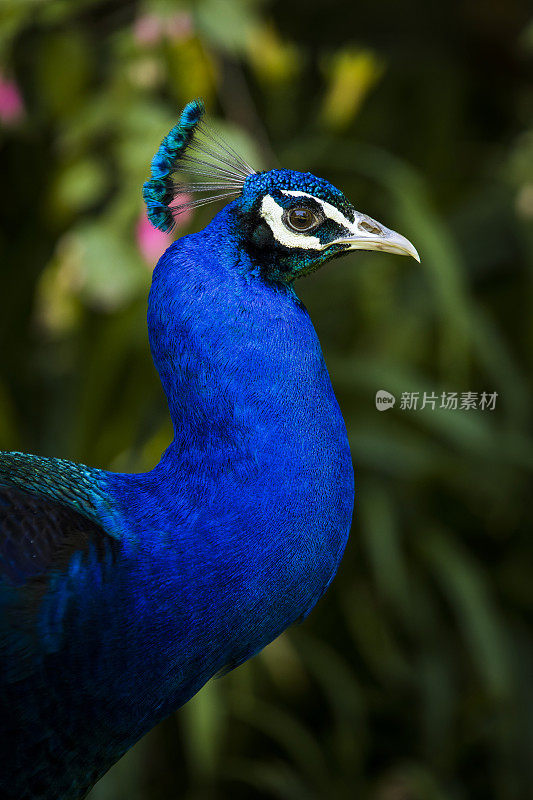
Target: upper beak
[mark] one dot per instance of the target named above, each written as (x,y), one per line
(386,240)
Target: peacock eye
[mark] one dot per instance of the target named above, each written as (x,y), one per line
(301,219)
(370,227)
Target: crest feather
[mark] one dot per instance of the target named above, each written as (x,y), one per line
(191,148)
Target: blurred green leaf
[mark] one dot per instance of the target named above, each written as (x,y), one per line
(477,617)
(226,23)
(64,74)
(79,186)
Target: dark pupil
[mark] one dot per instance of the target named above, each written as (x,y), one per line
(301,218)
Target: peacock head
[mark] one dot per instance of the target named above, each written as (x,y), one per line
(289,223)
(292,222)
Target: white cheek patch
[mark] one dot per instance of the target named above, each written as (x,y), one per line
(272,214)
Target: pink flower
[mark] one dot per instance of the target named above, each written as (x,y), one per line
(182,219)
(148,29)
(152,242)
(179,26)
(11,105)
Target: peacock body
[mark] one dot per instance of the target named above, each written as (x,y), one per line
(122,594)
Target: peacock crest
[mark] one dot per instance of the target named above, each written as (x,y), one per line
(206,165)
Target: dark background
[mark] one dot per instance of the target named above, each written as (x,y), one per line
(413,678)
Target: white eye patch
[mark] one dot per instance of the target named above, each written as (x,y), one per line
(272,213)
(273,216)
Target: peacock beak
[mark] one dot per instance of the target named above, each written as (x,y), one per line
(367,234)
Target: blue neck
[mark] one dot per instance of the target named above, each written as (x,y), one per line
(231,349)
(242,524)
(258,478)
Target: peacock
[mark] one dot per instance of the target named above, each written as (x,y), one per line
(121,595)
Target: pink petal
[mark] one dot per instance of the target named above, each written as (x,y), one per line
(182,219)
(179,26)
(11,105)
(148,29)
(151,242)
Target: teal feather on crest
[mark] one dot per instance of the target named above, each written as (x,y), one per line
(158,192)
(222,173)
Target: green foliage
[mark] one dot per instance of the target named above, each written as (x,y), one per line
(413,679)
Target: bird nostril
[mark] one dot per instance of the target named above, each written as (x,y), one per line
(369,227)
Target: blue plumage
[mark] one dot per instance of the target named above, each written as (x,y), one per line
(122,594)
